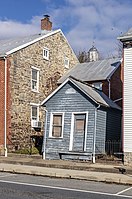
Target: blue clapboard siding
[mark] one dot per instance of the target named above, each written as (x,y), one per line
(109,129)
(68,103)
(100,131)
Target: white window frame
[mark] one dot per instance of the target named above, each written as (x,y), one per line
(37,106)
(51,124)
(97,85)
(72,129)
(46,53)
(38,71)
(66,59)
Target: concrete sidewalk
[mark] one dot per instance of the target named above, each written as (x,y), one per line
(35,165)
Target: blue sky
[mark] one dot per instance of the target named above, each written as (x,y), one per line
(82,21)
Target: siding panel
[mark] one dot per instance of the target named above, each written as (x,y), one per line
(128,100)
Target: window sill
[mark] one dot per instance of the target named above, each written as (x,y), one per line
(56,138)
(67,67)
(35,91)
(47,59)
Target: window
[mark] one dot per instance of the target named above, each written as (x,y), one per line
(56,125)
(46,53)
(35,113)
(97,85)
(35,79)
(66,62)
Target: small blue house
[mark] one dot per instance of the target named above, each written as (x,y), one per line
(79,120)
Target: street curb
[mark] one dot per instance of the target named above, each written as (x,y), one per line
(68,174)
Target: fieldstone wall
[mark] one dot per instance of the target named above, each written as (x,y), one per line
(128,158)
(20,84)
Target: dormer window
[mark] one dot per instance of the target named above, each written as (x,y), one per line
(46,53)
(66,62)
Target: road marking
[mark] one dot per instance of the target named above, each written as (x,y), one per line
(124,191)
(63,188)
(7,175)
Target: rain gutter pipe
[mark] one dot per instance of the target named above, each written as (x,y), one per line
(44,142)
(94,136)
(109,87)
(5,110)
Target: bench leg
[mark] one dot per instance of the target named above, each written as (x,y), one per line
(60,155)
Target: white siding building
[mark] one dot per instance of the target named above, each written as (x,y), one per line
(126,39)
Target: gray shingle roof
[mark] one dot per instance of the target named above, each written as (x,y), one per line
(7,45)
(93,71)
(96,95)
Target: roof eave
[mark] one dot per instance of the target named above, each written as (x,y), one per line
(32,42)
(118,65)
(3,55)
(125,38)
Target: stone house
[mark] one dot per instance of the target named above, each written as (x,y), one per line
(79,121)
(29,69)
(126,39)
(105,75)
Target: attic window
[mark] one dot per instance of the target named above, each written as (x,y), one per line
(46,53)
(97,85)
(66,62)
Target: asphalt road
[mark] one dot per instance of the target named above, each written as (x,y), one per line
(16,186)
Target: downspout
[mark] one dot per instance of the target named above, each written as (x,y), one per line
(5,110)
(109,87)
(44,141)
(94,137)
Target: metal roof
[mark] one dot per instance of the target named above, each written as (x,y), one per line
(127,35)
(96,95)
(93,71)
(8,46)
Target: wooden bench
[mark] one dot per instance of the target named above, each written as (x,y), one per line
(74,153)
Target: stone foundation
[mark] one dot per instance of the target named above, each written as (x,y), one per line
(1,150)
(128,158)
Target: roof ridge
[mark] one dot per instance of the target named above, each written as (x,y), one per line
(96,89)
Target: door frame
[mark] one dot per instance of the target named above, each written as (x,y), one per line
(72,129)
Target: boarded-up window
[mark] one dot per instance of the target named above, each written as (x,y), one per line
(79,125)
(57,125)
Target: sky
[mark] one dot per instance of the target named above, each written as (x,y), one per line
(83,22)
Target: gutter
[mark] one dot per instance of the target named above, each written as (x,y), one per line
(44,141)
(94,138)
(5,110)
(117,100)
(109,87)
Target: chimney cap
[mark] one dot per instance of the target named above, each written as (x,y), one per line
(46,16)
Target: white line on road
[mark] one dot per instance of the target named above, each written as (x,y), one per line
(2,176)
(63,188)
(124,191)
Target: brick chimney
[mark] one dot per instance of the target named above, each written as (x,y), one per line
(46,24)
